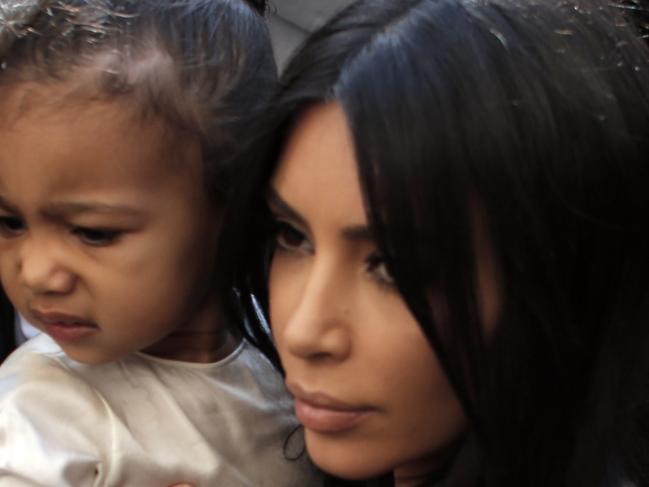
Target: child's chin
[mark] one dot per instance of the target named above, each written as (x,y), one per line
(90,356)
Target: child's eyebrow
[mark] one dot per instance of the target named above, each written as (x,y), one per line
(71,208)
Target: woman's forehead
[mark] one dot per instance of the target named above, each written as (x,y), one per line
(317,172)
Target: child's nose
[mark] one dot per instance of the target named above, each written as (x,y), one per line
(41,271)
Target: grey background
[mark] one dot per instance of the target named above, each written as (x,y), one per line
(291,20)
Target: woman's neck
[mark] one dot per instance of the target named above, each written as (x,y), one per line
(410,478)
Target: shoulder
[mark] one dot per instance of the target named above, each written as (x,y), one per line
(38,381)
(252,357)
(35,358)
(38,376)
(38,361)
(253,370)
(54,427)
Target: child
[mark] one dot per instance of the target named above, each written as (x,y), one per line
(120,120)
(456,200)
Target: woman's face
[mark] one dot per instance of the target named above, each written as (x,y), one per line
(367,385)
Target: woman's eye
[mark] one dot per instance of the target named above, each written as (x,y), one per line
(11,226)
(378,271)
(96,237)
(289,238)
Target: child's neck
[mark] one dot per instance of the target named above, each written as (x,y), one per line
(195,346)
(206,338)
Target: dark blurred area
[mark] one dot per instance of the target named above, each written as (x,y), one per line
(7,334)
(638,12)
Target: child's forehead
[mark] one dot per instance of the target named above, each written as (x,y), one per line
(51,103)
(69,100)
(51,97)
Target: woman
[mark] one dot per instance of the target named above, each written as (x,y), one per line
(453,207)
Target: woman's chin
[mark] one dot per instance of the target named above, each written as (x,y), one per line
(344,459)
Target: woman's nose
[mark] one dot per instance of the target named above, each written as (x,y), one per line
(320,325)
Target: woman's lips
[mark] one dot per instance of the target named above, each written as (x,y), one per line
(327,420)
(325,414)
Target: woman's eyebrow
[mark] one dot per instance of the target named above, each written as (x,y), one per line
(356,233)
(279,205)
(360,232)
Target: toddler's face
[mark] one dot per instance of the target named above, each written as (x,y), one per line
(106,233)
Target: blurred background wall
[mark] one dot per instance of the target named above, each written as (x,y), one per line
(291,20)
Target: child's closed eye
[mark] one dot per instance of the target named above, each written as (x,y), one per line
(97,237)
(11,226)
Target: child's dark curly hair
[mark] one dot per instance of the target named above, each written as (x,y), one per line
(204,66)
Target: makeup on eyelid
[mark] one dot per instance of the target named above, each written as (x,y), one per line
(284,230)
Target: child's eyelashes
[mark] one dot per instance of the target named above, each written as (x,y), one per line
(289,238)
(378,271)
(96,237)
(11,226)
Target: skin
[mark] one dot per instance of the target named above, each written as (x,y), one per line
(343,332)
(101,220)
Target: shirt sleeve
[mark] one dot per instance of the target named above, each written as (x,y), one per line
(54,431)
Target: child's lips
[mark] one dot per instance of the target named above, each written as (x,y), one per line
(56,317)
(64,327)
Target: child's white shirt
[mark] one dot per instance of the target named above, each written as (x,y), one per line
(24,330)
(144,421)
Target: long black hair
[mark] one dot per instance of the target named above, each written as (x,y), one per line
(537,113)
